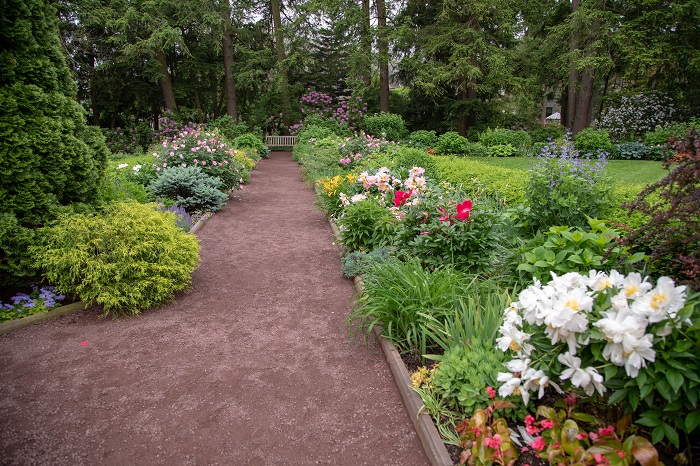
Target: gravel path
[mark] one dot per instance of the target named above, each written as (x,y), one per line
(253,366)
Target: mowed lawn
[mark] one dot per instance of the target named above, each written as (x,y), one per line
(622,171)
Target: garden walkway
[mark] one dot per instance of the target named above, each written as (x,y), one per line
(253,366)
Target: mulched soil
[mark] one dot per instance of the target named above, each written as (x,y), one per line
(253,366)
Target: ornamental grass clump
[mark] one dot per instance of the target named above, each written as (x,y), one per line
(127,259)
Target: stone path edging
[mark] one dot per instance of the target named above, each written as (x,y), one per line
(425,427)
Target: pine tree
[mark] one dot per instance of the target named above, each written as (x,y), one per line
(49,157)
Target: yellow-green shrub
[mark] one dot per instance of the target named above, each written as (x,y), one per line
(129,258)
(480,178)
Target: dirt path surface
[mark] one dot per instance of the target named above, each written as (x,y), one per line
(253,366)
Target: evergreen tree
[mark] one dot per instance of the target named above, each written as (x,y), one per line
(49,157)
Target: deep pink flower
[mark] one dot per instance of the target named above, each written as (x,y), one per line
(547,424)
(529,420)
(491,392)
(538,444)
(401,197)
(464,209)
(445,217)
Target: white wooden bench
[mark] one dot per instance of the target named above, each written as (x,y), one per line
(280,141)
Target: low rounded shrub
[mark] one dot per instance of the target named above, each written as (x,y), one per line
(314,132)
(406,158)
(366,225)
(423,138)
(129,258)
(251,141)
(229,127)
(499,137)
(593,141)
(191,188)
(546,133)
(387,125)
(451,143)
(501,150)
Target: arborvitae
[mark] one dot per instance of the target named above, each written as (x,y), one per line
(49,157)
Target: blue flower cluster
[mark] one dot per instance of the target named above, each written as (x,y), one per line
(43,298)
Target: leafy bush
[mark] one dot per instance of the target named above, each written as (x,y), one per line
(328,190)
(662,134)
(500,137)
(672,234)
(564,189)
(358,262)
(314,132)
(636,115)
(229,127)
(564,249)
(365,225)
(423,138)
(130,258)
(632,151)
(389,126)
(546,133)
(464,372)
(477,149)
(478,178)
(16,266)
(318,161)
(501,150)
(451,143)
(593,141)
(251,141)
(206,150)
(407,158)
(191,188)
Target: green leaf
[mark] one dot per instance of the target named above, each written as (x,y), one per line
(648,420)
(692,420)
(675,379)
(670,434)
(657,434)
(542,264)
(665,390)
(618,396)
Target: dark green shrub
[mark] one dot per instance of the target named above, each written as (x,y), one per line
(593,141)
(451,143)
(129,258)
(423,138)
(546,133)
(661,135)
(476,149)
(314,132)
(190,188)
(632,151)
(48,156)
(389,126)
(499,137)
(366,225)
(331,124)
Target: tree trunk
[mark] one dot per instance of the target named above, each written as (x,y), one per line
(467,119)
(572,96)
(231,98)
(166,86)
(214,88)
(383,47)
(281,56)
(584,99)
(366,45)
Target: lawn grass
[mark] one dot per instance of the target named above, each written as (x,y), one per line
(631,172)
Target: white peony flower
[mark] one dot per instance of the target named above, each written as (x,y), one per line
(635,286)
(537,380)
(122,165)
(662,302)
(511,386)
(588,379)
(514,339)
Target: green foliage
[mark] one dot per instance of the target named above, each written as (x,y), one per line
(389,126)
(366,225)
(478,178)
(396,297)
(451,143)
(130,258)
(358,262)
(407,158)
(632,151)
(501,150)
(546,133)
(228,127)
(661,135)
(423,138)
(318,161)
(518,139)
(314,132)
(617,214)
(464,372)
(49,158)
(251,141)
(190,188)
(593,141)
(564,249)
(667,392)
(564,189)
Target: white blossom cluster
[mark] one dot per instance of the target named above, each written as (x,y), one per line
(566,309)
(637,115)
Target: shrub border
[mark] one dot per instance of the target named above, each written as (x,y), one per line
(432,443)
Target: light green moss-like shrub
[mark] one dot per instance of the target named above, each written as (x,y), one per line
(130,258)
(478,178)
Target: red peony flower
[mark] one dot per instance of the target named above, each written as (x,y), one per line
(464,209)
(401,197)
